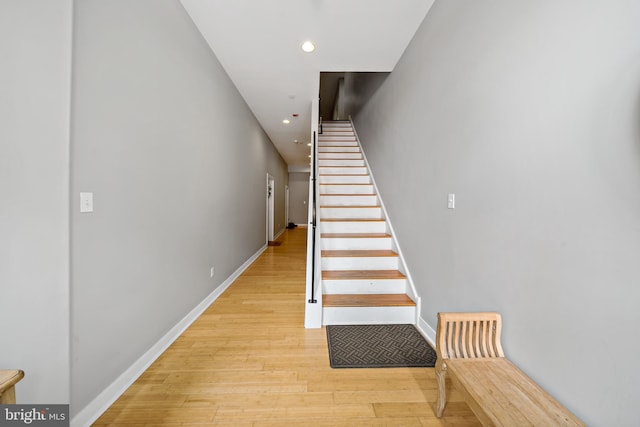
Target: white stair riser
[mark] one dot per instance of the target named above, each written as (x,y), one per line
(351,200)
(335,143)
(360,263)
(344,179)
(337,132)
(351,213)
(340,162)
(343,170)
(368,315)
(326,138)
(396,286)
(340,155)
(353,227)
(346,189)
(345,149)
(355,243)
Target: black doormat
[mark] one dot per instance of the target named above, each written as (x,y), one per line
(378,346)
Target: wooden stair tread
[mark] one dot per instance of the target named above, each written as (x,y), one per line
(367,300)
(359,253)
(350,206)
(340,166)
(349,194)
(355,235)
(352,219)
(362,274)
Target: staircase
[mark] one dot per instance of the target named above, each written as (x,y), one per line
(362,281)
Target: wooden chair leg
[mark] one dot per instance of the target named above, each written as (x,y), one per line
(441,373)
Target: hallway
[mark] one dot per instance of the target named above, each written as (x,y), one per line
(248,361)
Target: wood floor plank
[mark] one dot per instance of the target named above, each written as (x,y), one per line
(249,361)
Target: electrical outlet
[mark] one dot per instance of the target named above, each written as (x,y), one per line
(212,272)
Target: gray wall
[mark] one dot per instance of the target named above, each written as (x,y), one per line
(530,113)
(35,51)
(359,88)
(178,166)
(299,197)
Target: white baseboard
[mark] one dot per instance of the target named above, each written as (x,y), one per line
(279,234)
(428,332)
(104,400)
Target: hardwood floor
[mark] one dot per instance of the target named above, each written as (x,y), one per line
(249,361)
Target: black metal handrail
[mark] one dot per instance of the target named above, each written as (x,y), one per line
(313,299)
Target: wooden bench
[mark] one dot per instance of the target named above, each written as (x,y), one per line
(498,393)
(8,380)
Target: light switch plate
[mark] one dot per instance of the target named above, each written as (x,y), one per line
(451,201)
(86,202)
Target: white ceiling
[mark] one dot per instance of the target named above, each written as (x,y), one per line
(258,43)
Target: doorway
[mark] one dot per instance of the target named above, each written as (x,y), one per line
(270,206)
(286,205)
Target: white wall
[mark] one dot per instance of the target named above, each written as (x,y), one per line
(177,163)
(35,52)
(530,113)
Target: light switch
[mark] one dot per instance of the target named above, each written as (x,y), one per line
(86,202)
(451,201)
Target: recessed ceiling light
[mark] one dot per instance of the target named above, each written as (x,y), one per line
(286,121)
(309,144)
(308,46)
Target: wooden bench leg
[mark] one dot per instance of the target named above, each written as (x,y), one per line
(8,397)
(8,379)
(441,373)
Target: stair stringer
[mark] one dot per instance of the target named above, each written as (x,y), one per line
(402,267)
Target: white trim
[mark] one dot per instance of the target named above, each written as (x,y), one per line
(105,399)
(411,289)
(426,330)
